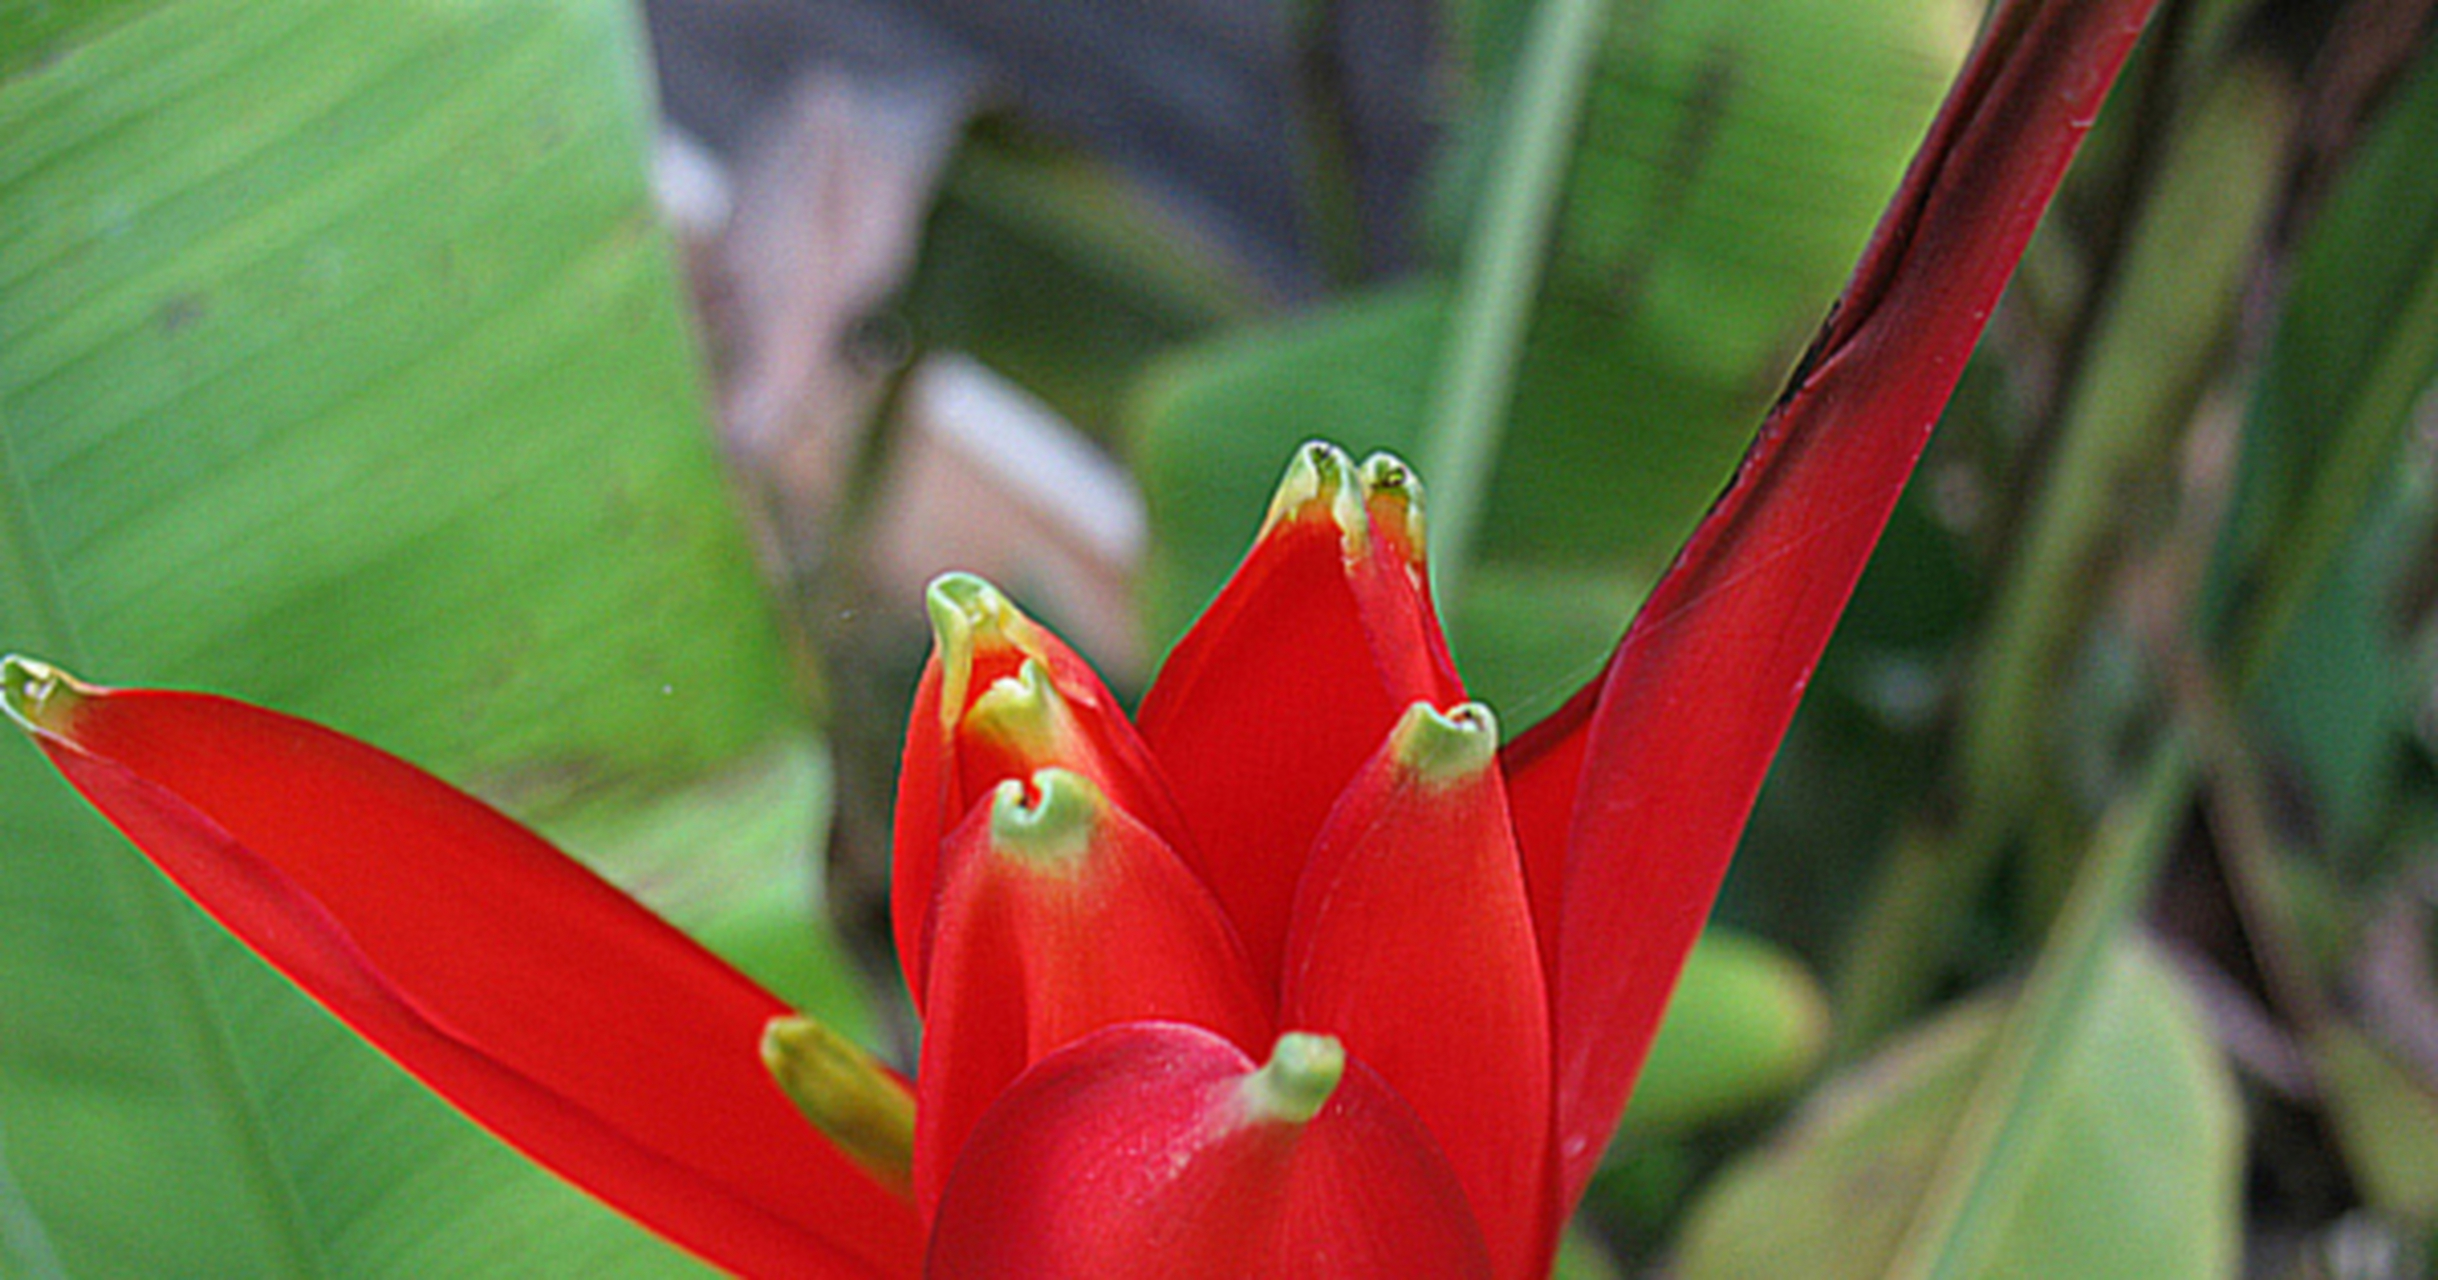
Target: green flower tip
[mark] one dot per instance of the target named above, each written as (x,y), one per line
(1392,491)
(1020,711)
(967,616)
(1444,749)
(1053,823)
(964,608)
(1320,480)
(1293,1086)
(846,1093)
(37,695)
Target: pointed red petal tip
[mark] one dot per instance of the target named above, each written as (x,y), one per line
(1001,697)
(519,986)
(1160,1148)
(1325,634)
(1060,914)
(1701,689)
(1392,500)
(1413,942)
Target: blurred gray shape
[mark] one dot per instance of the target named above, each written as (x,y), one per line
(1216,106)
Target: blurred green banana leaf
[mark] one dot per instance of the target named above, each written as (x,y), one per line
(2133,1172)
(345,373)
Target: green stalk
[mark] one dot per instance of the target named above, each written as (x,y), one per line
(2162,335)
(2162,332)
(1995,1147)
(1501,276)
(2355,472)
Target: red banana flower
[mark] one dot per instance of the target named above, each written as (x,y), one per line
(1301,973)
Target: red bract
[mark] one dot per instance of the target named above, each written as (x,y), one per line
(1303,976)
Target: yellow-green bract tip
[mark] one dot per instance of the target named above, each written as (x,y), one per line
(1057,828)
(846,1093)
(966,614)
(36,694)
(1020,710)
(961,605)
(1321,475)
(1293,1086)
(1441,749)
(1392,491)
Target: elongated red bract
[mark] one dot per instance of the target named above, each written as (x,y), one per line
(541,1001)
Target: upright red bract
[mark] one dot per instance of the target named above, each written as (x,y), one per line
(1305,975)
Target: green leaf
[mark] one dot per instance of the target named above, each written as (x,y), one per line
(1747,1023)
(345,373)
(2321,536)
(2356,342)
(1531,635)
(2340,696)
(2386,1120)
(2091,1130)
(2134,1170)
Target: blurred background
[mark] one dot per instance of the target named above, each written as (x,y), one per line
(575,399)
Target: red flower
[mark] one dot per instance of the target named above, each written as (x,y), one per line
(1302,973)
